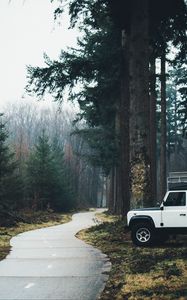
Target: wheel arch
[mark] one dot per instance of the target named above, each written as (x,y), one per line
(141,219)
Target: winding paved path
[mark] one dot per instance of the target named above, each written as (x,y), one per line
(52,264)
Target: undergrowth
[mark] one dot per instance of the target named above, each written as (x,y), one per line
(158,273)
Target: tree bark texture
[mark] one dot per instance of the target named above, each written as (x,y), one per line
(110,193)
(139,103)
(153,130)
(163,140)
(122,170)
(124,127)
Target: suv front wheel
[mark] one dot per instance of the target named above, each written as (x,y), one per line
(142,234)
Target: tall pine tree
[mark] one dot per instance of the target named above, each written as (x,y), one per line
(41,174)
(46,182)
(116,42)
(10,183)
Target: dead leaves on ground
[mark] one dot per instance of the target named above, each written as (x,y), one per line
(158,273)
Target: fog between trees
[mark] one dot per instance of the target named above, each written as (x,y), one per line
(47,161)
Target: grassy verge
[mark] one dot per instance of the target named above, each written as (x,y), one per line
(35,220)
(140,273)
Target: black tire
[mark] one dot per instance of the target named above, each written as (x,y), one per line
(142,234)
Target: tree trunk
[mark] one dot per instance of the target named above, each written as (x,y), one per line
(153,134)
(163,128)
(111,196)
(117,168)
(140,105)
(124,128)
(176,135)
(118,204)
(121,178)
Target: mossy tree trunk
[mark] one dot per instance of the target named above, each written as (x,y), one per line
(140,103)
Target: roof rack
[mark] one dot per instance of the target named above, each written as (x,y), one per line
(177,180)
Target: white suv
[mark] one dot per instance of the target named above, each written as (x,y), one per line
(148,225)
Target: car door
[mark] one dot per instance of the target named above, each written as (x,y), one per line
(174,212)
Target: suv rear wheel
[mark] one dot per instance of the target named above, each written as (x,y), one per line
(142,234)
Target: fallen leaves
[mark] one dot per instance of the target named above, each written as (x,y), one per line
(158,273)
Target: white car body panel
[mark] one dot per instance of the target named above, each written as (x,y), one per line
(174,216)
(165,216)
(154,214)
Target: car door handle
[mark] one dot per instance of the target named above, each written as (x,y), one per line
(182,215)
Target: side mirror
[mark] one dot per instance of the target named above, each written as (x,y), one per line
(162,207)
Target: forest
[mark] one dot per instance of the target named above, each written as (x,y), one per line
(128,75)
(42,163)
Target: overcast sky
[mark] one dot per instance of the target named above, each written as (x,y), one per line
(27,30)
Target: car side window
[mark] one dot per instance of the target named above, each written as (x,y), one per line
(176,199)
